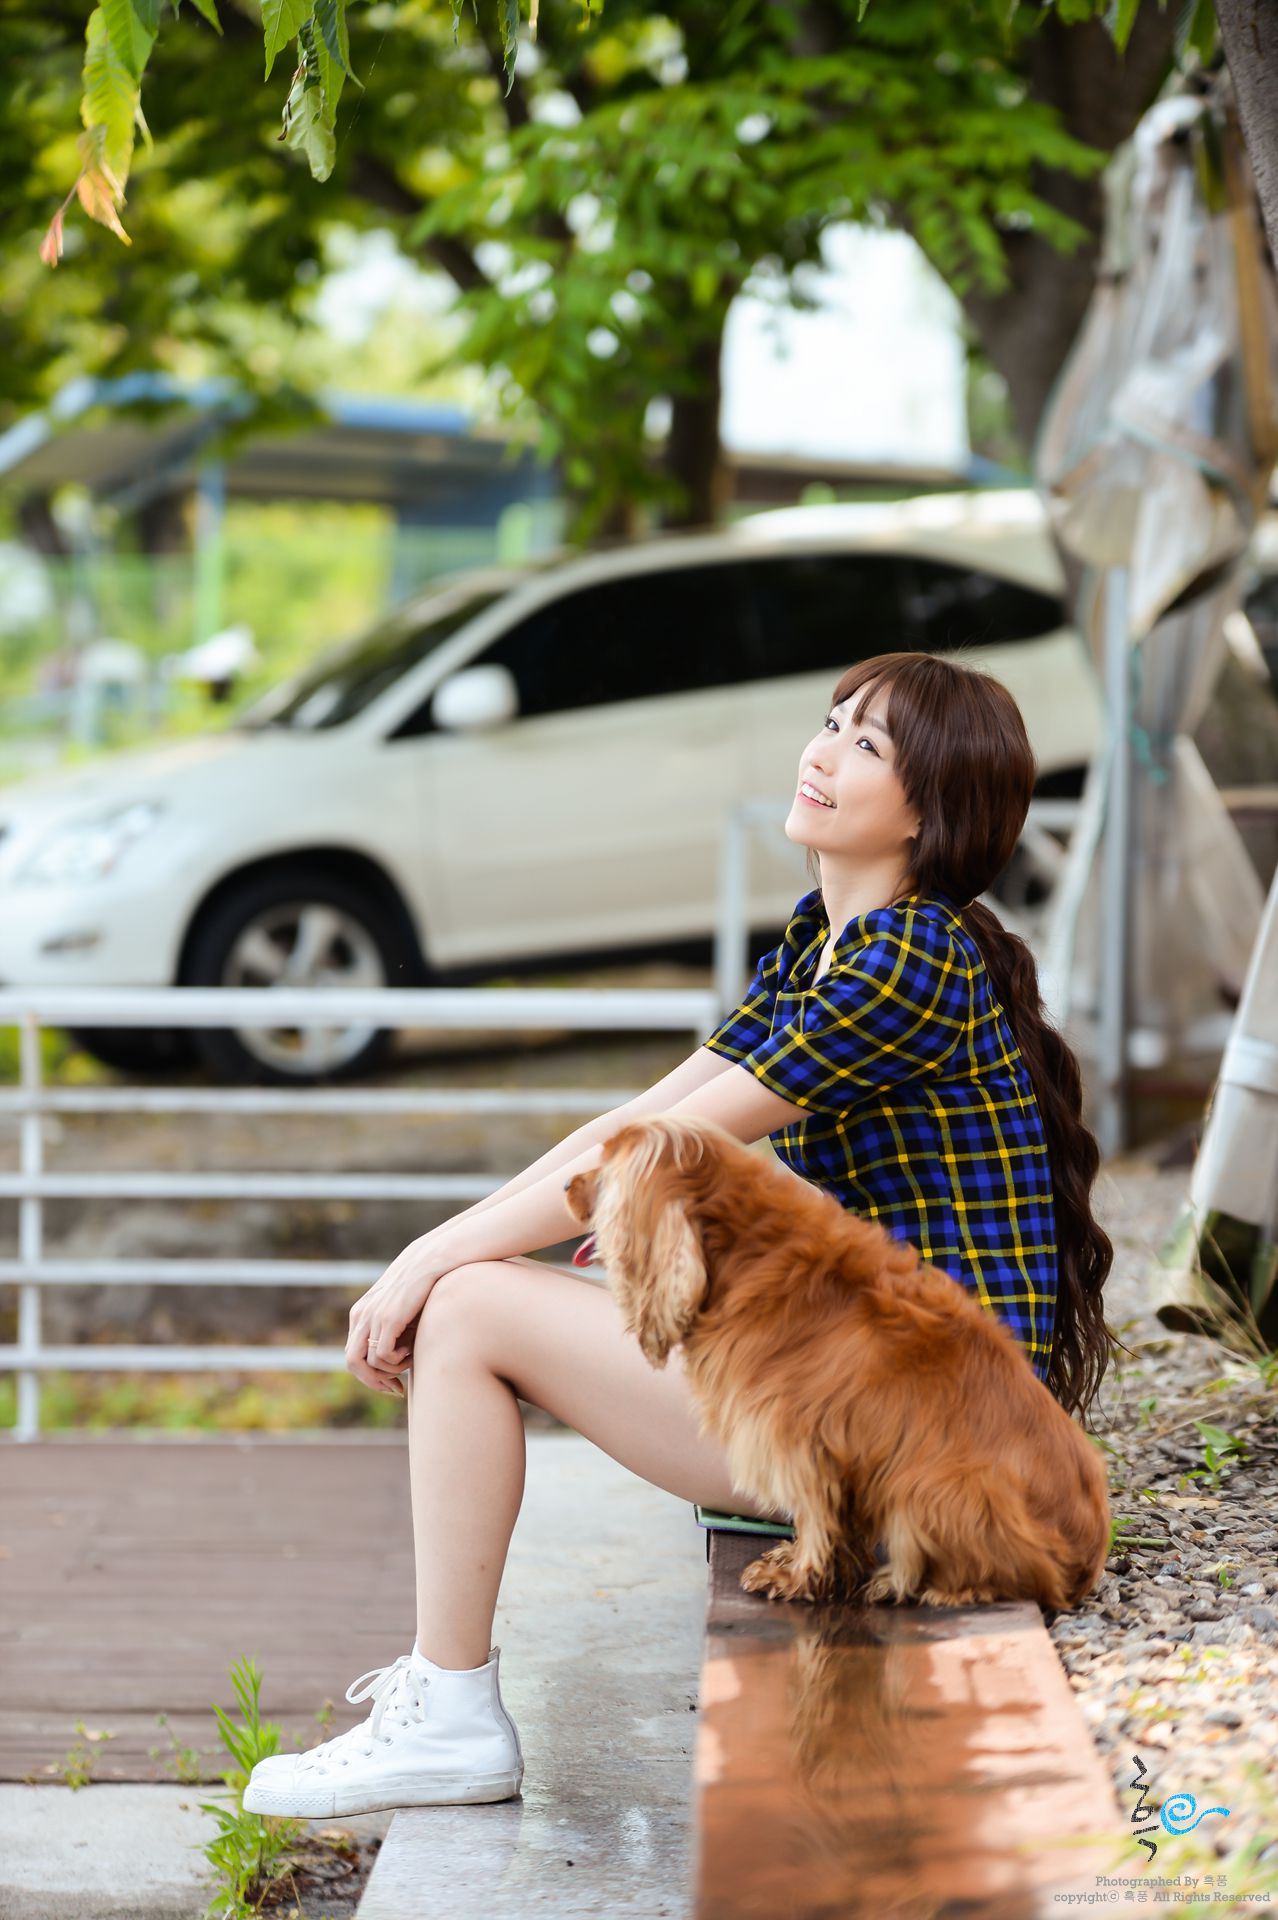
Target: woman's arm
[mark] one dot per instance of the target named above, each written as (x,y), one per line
(699,1068)
(530,1212)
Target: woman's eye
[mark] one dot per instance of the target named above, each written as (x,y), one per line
(870,743)
(829,721)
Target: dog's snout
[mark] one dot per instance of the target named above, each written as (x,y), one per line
(581,1191)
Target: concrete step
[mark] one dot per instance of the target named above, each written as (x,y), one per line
(103,1853)
(600,1627)
(910,1760)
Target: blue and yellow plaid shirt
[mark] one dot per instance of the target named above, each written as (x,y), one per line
(922,1113)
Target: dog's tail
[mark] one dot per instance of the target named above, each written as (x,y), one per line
(996,1538)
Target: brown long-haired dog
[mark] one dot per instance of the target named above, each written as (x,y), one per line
(853,1384)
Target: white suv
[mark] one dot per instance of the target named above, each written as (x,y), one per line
(518,767)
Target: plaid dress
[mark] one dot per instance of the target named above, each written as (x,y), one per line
(919,1110)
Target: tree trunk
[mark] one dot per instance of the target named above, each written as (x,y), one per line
(1249,31)
(38,528)
(1028,330)
(694,453)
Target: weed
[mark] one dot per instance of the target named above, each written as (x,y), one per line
(250,1851)
(1218,1449)
(185,1761)
(77,1769)
(1120,1536)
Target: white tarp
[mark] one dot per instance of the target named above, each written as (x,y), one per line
(1154,458)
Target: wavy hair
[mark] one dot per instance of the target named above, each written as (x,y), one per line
(967,767)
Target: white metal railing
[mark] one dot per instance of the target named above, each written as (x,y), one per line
(506,1010)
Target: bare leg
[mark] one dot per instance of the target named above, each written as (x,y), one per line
(495,1329)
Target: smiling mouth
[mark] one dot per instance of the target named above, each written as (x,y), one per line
(828,805)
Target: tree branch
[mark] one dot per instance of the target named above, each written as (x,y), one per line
(372,180)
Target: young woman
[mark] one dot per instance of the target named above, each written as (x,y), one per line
(895,1048)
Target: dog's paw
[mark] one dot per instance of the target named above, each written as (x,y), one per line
(779,1575)
(880,1587)
(956,1597)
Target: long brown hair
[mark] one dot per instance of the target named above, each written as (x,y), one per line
(966,764)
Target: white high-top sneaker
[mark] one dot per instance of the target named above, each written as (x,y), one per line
(436,1736)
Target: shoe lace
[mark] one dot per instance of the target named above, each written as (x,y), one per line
(399,1687)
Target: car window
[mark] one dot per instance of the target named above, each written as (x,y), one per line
(345,683)
(672,630)
(948,606)
(818,612)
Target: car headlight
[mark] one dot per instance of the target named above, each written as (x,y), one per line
(89,849)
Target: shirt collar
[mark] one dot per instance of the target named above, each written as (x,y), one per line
(809,913)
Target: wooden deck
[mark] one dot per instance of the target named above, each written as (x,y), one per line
(135,1572)
(912,1761)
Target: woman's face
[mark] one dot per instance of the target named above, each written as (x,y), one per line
(865,817)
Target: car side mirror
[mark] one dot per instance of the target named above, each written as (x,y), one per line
(475,698)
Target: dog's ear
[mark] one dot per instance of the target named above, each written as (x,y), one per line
(665,1307)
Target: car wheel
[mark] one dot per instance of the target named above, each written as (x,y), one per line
(301,928)
(137,1049)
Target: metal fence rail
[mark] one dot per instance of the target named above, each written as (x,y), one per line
(487,1010)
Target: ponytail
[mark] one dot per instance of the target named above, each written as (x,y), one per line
(1082,1337)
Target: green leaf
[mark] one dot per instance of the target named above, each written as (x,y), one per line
(281,21)
(131,39)
(330,18)
(148,12)
(1196,31)
(508,27)
(1121,21)
(209,11)
(458,7)
(110,96)
(308,114)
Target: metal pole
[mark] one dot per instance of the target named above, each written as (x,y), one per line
(733,930)
(1116,875)
(30,1231)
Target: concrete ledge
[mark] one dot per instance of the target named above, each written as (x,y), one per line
(103,1853)
(600,1627)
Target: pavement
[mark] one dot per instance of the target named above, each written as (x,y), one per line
(600,1625)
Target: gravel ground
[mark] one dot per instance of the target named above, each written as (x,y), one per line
(1175,1657)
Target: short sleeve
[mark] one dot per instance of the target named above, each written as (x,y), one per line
(893,1010)
(749,1024)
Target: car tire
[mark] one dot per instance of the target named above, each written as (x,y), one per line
(146,1050)
(303,926)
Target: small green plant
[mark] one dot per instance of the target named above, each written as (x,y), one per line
(250,1851)
(1120,1535)
(77,1769)
(1219,1448)
(185,1761)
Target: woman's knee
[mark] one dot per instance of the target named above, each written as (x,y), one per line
(461,1307)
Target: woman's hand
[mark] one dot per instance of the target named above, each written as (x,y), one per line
(383,1321)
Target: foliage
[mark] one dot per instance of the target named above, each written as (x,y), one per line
(686,192)
(78,1768)
(120,34)
(231,1402)
(249,1850)
(185,1761)
(599,212)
